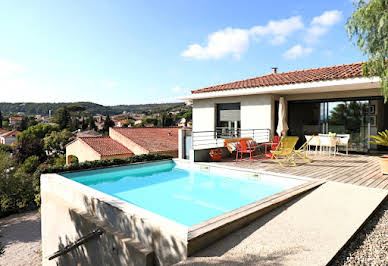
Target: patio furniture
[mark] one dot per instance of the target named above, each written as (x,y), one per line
(215,154)
(285,151)
(329,142)
(314,141)
(272,146)
(343,140)
(231,143)
(245,147)
(302,151)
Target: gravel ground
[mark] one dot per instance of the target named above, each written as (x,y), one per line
(21,236)
(370,245)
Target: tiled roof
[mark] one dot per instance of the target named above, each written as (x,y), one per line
(106,146)
(3,131)
(9,133)
(299,76)
(152,139)
(16,118)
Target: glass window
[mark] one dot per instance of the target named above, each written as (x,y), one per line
(228,120)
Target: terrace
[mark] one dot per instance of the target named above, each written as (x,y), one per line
(362,170)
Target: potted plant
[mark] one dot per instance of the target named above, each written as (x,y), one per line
(215,154)
(382,139)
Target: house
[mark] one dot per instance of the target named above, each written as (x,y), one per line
(123,143)
(8,137)
(14,121)
(148,140)
(335,99)
(96,148)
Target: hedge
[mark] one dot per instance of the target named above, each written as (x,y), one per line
(45,169)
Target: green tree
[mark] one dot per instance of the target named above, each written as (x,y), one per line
(30,164)
(1,119)
(368,26)
(23,124)
(62,117)
(91,123)
(29,147)
(17,190)
(55,143)
(38,131)
(107,124)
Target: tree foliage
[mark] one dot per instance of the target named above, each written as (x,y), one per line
(62,117)
(29,147)
(17,190)
(107,124)
(55,142)
(368,27)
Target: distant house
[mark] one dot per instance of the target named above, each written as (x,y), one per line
(124,142)
(148,140)
(96,148)
(15,120)
(8,137)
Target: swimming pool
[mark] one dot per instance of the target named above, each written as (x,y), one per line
(158,212)
(185,195)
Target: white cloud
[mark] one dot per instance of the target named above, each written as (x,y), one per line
(328,18)
(320,25)
(220,44)
(235,42)
(8,68)
(297,51)
(279,30)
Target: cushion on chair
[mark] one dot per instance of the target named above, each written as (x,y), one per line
(251,145)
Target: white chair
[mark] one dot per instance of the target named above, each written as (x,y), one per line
(328,142)
(343,140)
(313,142)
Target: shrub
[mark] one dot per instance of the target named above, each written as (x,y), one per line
(17,191)
(5,148)
(102,163)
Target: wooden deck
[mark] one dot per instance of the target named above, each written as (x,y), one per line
(362,170)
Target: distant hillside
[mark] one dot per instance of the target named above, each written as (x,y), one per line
(93,108)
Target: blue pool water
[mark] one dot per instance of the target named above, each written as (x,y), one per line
(186,196)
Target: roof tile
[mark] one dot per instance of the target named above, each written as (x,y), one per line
(152,139)
(106,146)
(299,76)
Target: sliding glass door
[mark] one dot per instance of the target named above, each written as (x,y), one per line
(359,118)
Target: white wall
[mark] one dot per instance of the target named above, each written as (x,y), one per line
(256,112)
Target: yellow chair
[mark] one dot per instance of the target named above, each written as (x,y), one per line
(302,151)
(285,151)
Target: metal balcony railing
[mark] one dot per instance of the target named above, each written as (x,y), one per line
(215,139)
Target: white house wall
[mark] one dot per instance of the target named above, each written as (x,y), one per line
(256,112)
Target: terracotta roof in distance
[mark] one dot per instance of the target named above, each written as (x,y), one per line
(152,139)
(106,146)
(300,76)
(9,133)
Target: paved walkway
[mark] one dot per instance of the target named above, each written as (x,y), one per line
(21,236)
(307,231)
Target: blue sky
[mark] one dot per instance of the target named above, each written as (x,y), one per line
(129,52)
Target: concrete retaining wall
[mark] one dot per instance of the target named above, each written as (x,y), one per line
(61,196)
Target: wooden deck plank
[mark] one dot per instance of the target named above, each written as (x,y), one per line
(363,170)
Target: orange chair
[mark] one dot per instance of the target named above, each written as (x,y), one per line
(243,147)
(273,146)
